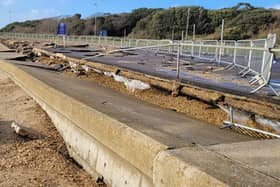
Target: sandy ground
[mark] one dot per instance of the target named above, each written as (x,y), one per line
(41,162)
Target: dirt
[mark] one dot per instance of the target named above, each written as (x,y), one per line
(40,162)
(50,62)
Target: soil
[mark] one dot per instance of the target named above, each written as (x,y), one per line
(40,162)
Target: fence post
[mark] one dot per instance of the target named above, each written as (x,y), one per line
(200,47)
(250,54)
(178,60)
(216,51)
(235,52)
(169,48)
(263,60)
(158,44)
(220,54)
(129,42)
(192,52)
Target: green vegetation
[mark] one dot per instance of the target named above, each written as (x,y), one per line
(241,22)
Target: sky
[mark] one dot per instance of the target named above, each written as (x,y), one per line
(21,10)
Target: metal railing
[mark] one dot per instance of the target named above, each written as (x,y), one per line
(254,57)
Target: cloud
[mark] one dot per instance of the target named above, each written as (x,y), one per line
(41,13)
(37,14)
(7,2)
(277,6)
(34,11)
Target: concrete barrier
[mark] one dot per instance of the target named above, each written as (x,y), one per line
(106,147)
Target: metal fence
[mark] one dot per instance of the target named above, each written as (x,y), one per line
(253,57)
(116,42)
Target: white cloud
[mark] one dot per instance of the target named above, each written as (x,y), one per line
(277,6)
(7,2)
(34,11)
(41,13)
(33,14)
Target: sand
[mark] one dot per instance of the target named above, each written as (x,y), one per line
(40,162)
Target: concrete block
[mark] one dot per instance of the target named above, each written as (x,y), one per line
(171,171)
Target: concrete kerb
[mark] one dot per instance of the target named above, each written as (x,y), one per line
(171,171)
(117,138)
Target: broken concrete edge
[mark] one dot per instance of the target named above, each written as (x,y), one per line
(255,106)
(136,148)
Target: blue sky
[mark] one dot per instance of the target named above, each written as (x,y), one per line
(20,10)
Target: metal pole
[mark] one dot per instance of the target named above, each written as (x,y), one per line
(193,32)
(200,48)
(64,41)
(192,52)
(181,51)
(172,48)
(234,54)
(188,22)
(124,39)
(95,26)
(222,33)
(250,54)
(263,60)
(222,40)
(178,61)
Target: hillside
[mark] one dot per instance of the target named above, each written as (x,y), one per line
(241,22)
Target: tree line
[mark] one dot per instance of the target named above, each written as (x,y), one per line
(241,22)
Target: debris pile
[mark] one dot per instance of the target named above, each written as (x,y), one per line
(23,47)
